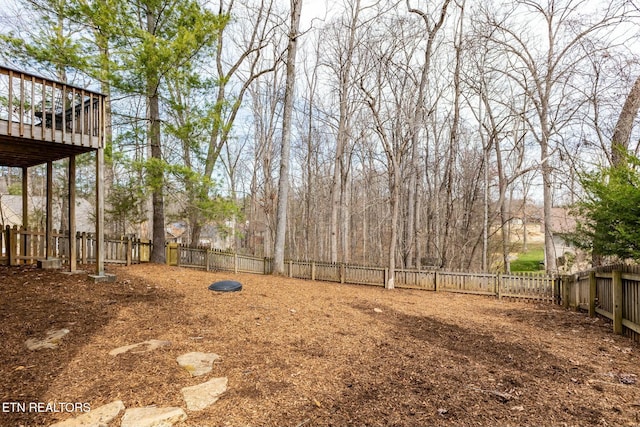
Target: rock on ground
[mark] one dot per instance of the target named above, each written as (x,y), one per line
(197,363)
(203,395)
(141,347)
(51,341)
(99,417)
(152,417)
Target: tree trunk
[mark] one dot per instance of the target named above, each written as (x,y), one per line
(622,131)
(549,247)
(395,210)
(156,173)
(283,183)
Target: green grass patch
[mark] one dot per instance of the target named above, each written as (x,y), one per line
(530,260)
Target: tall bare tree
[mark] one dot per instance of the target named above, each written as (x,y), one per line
(433,22)
(542,64)
(283,180)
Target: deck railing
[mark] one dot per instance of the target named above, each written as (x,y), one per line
(32,107)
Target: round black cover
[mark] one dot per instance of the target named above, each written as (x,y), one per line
(226,286)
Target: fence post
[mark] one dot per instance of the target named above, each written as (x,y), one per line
(7,242)
(129,256)
(557,283)
(342,272)
(145,249)
(170,249)
(78,237)
(178,247)
(436,279)
(592,294)
(290,268)
(313,270)
(566,291)
(13,245)
(499,285)
(206,259)
(83,255)
(386,277)
(235,263)
(25,245)
(3,244)
(617,302)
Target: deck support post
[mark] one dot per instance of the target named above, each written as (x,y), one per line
(100,212)
(100,276)
(72,214)
(25,210)
(49,211)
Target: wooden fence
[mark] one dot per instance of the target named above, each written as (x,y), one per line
(612,292)
(534,287)
(215,260)
(20,246)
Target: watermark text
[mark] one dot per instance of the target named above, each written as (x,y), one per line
(38,407)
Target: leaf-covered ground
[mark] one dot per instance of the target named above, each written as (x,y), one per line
(301,353)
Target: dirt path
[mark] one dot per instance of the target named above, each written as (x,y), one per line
(311,353)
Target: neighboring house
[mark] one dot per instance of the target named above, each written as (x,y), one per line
(562,223)
(569,257)
(211,235)
(11,212)
(175,232)
(216,237)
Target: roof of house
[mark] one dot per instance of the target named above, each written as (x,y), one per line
(562,221)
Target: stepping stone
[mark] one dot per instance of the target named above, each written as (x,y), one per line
(99,417)
(152,417)
(141,347)
(200,396)
(197,363)
(51,341)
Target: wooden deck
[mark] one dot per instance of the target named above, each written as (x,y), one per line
(43,120)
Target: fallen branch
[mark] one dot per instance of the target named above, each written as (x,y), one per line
(304,422)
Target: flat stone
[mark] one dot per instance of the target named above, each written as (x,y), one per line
(49,264)
(99,417)
(51,341)
(152,417)
(103,278)
(141,347)
(197,363)
(200,396)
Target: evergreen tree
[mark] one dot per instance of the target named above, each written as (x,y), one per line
(609,214)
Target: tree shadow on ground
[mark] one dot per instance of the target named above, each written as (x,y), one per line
(435,373)
(34,301)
